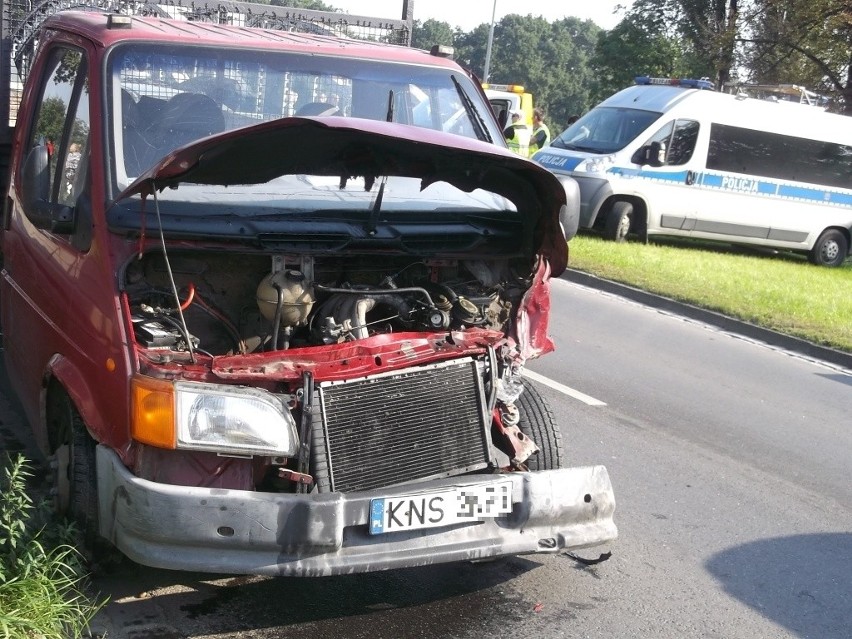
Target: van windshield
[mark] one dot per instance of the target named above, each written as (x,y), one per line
(605,130)
(163,97)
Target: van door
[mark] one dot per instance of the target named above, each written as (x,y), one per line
(49,231)
(669,176)
(736,202)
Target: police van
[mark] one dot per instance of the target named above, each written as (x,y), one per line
(674,157)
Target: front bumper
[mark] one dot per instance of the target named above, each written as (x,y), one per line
(243,532)
(594,190)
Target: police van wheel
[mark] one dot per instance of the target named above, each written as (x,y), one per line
(830,249)
(618,221)
(538,423)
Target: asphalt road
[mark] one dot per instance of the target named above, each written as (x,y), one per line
(730,460)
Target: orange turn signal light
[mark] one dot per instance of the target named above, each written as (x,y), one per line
(152,411)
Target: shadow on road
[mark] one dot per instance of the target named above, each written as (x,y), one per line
(435,601)
(801,583)
(843,379)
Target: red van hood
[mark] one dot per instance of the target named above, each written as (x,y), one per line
(352,147)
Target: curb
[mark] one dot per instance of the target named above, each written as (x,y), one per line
(774,338)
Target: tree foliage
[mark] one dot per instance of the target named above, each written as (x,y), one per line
(644,45)
(803,42)
(552,60)
(51,119)
(426,34)
(570,65)
(711,28)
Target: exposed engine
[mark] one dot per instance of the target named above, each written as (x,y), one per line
(243,303)
(373,429)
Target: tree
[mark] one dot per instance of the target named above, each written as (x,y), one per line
(805,42)
(681,37)
(427,34)
(712,27)
(51,119)
(551,61)
(645,43)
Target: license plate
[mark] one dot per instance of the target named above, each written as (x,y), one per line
(445,507)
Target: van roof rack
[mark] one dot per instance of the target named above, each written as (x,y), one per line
(780,92)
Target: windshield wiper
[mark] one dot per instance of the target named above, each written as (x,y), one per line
(470,108)
(389,116)
(373,220)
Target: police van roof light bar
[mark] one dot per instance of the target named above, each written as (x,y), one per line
(687,83)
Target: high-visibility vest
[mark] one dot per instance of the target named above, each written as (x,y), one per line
(535,147)
(520,141)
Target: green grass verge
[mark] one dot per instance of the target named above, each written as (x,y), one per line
(778,291)
(42,581)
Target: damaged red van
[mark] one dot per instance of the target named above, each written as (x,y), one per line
(267,298)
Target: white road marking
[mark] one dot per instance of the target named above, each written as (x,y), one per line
(565,390)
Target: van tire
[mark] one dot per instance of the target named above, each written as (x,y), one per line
(830,249)
(73,476)
(538,423)
(618,221)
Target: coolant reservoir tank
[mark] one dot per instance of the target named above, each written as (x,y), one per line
(297,298)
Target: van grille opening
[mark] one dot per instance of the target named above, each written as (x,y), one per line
(400,427)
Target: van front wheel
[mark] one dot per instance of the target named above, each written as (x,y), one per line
(73,470)
(618,221)
(539,424)
(830,249)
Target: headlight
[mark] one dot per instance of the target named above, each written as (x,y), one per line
(230,419)
(212,417)
(598,164)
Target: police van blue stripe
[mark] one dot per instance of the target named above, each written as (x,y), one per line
(558,162)
(715,180)
(767,188)
(663,176)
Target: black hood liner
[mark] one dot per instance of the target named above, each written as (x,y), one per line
(351,147)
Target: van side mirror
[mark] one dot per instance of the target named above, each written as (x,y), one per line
(653,154)
(44,214)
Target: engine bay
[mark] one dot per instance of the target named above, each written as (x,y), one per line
(241,303)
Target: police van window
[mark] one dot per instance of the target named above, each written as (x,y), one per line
(783,157)
(682,142)
(679,138)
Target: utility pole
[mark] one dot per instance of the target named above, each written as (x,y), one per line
(490,40)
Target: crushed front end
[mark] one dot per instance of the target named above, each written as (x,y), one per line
(328,375)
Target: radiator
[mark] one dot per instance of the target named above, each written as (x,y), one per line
(400,427)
